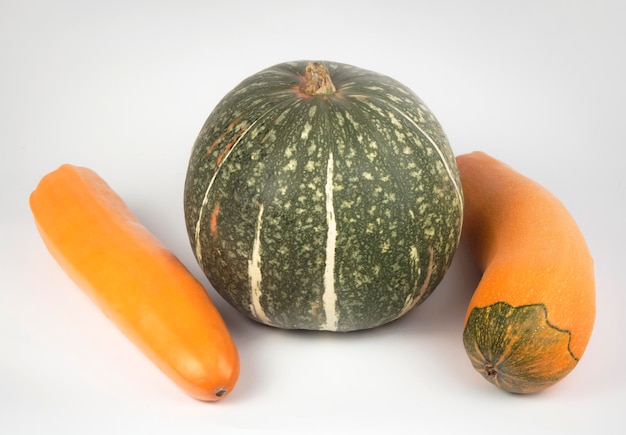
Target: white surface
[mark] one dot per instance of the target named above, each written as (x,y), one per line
(124,86)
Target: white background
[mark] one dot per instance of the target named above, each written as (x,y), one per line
(123,87)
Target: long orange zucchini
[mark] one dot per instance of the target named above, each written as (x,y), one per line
(138,283)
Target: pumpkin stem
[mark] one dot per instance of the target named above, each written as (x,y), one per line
(317,80)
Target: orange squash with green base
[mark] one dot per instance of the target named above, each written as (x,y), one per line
(531,316)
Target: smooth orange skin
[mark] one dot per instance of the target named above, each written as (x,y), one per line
(528,246)
(137,282)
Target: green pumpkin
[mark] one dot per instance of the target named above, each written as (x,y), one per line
(323,196)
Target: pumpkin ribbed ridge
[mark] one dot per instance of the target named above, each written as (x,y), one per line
(337,212)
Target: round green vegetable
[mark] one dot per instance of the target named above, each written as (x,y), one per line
(323,196)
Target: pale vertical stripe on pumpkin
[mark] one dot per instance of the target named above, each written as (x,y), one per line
(254,272)
(439,151)
(205,198)
(413,299)
(329,298)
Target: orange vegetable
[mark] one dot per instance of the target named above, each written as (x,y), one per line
(532,314)
(140,285)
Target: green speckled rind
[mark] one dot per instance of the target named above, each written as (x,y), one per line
(516,348)
(337,212)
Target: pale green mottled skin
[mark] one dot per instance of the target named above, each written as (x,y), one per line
(517,348)
(394,198)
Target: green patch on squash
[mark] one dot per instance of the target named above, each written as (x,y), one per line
(516,348)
